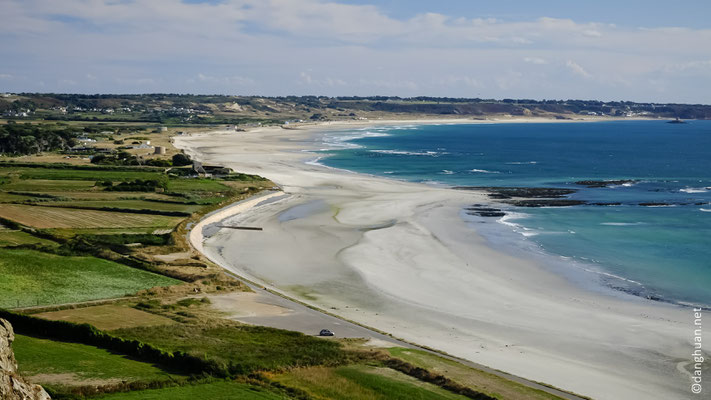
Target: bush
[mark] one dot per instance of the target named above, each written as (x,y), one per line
(181,159)
(140,185)
(99,159)
(159,162)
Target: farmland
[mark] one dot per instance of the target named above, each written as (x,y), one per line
(56,364)
(110,240)
(362,382)
(107,316)
(221,390)
(32,278)
(10,237)
(56,217)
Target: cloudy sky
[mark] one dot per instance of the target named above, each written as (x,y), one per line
(609,50)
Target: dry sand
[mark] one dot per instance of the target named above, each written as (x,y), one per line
(396,256)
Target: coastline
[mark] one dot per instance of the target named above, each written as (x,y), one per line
(394,255)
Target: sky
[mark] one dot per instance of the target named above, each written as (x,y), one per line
(648,51)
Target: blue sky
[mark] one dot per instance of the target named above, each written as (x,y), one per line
(647,13)
(609,50)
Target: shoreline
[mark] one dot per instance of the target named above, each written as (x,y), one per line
(361,243)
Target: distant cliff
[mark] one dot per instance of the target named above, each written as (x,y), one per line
(12,385)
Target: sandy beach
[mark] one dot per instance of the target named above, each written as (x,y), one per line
(396,256)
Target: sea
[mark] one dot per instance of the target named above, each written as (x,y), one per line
(649,235)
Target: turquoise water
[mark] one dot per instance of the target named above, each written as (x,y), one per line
(657,252)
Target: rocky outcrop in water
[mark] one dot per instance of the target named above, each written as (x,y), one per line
(12,385)
(483,211)
(602,184)
(546,203)
(521,192)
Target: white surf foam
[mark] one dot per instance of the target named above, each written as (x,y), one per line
(410,153)
(694,190)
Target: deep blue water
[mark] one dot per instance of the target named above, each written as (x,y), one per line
(662,252)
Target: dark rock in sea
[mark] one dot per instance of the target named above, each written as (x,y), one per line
(480,211)
(520,192)
(606,204)
(654,204)
(676,121)
(487,213)
(546,203)
(606,183)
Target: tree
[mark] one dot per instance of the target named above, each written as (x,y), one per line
(181,159)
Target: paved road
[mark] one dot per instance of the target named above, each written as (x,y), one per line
(303,319)
(310,321)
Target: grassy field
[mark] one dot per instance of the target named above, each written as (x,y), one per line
(56,217)
(58,364)
(107,317)
(247,348)
(83,174)
(11,197)
(14,238)
(361,382)
(95,195)
(222,390)
(197,185)
(71,232)
(473,378)
(31,278)
(45,185)
(128,204)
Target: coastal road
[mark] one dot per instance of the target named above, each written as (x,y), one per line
(309,321)
(301,318)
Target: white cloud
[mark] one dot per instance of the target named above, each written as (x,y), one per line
(454,81)
(234,80)
(305,78)
(535,60)
(591,33)
(577,69)
(158,45)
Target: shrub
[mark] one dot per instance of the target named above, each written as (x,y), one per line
(181,159)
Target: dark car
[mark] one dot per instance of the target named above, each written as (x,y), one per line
(326,332)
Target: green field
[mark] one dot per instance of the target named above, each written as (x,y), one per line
(47,185)
(473,378)
(10,197)
(56,363)
(57,217)
(129,204)
(15,238)
(31,278)
(197,185)
(84,174)
(223,390)
(360,382)
(246,348)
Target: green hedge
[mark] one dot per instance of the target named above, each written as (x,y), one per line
(12,164)
(87,334)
